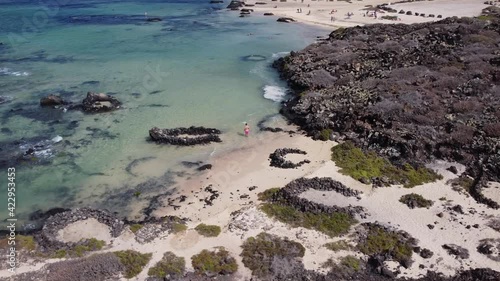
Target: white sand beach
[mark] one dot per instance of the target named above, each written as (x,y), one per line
(233,174)
(320,12)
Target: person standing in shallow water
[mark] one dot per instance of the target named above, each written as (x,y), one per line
(246,129)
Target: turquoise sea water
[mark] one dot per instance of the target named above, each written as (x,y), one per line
(189,69)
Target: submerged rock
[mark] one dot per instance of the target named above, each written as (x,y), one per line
(5,99)
(153,19)
(51,100)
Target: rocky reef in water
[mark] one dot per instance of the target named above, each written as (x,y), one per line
(185,136)
(412,93)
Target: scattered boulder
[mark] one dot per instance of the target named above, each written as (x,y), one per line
(204,167)
(458,209)
(426,253)
(268,14)
(453,169)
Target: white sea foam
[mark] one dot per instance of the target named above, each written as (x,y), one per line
(280,55)
(9,72)
(57,139)
(274,93)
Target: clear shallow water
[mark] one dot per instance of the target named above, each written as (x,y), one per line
(189,69)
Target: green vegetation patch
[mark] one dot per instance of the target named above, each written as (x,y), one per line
(25,242)
(365,166)
(89,245)
(351,262)
(340,245)
(59,254)
(135,227)
(175,224)
(133,262)
(261,251)
(325,134)
(346,264)
(268,194)
(414,200)
(178,227)
(462,183)
(214,262)
(382,241)
(387,17)
(170,265)
(486,17)
(84,247)
(208,230)
(330,224)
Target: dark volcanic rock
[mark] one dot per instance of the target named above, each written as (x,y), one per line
(426,253)
(412,93)
(185,136)
(40,215)
(452,169)
(153,19)
(291,195)
(268,14)
(278,158)
(285,20)
(51,100)
(204,167)
(456,250)
(235,5)
(95,103)
(458,209)
(47,238)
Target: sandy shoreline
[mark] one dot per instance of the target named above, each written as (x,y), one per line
(238,176)
(232,175)
(320,11)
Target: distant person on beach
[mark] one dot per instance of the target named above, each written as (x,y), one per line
(246,129)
